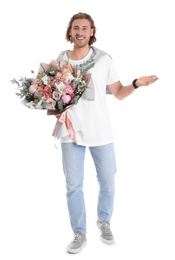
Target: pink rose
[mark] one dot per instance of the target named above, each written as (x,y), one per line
(68,88)
(50,103)
(56,95)
(66,99)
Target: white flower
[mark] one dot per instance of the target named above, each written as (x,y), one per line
(45,79)
(33,105)
(30,104)
(39,104)
(60,86)
(69,77)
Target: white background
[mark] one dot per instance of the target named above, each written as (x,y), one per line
(34,223)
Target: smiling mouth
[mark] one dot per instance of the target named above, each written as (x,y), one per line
(79,38)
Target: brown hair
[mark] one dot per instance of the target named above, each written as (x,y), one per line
(81,16)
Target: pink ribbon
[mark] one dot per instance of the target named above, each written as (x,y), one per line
(64,118)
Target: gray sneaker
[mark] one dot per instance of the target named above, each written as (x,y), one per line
(106,233)
(77,243)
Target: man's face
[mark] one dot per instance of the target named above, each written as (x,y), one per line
(81,32)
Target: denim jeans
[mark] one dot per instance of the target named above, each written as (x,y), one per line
(73,166)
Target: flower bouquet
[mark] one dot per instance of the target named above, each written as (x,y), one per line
(56,87)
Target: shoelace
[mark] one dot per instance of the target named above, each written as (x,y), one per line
(105,227)
(77,237)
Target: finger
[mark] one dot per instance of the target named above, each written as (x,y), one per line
(152,79)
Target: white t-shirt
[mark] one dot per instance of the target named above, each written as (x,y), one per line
(93,115)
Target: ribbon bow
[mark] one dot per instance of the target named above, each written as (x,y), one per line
(67,125)
(65,119)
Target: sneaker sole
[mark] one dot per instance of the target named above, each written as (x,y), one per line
(75,251)
(107,241)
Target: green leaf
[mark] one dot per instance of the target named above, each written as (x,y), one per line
(75,100)
(60,105)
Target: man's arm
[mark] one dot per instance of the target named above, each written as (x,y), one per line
(121,92)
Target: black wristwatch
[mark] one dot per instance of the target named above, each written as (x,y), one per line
(134,84)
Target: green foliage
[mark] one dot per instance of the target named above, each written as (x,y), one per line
(86,66)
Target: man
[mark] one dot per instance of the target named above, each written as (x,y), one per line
(93,131)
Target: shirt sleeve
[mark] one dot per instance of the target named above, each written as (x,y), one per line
(112,75)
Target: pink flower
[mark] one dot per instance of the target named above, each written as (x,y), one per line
(66,99)
(56,95)
(33,88)
(47,92)
(35,82)
(50,103)
(68,88)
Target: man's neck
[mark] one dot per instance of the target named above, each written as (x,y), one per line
(79,53)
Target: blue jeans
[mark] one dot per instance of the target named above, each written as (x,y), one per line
(73,166)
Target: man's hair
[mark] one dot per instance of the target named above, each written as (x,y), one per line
(81,16)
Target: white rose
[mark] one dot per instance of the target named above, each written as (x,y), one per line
(45,79)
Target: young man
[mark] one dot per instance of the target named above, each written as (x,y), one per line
(93,131)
